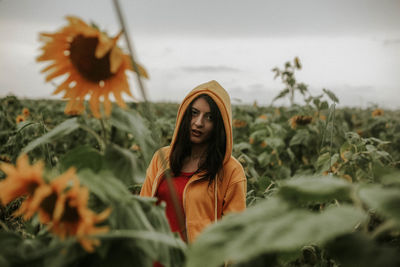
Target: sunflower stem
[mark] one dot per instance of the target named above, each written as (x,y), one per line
(178,211)
(101,142)
(130,48)
(103,130)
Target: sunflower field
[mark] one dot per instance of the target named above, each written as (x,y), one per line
(323,182)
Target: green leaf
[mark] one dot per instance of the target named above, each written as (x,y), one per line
(124,164)
(57,132)
(264,159)
(270,228)
(130,121)
(25,124)
(385,201)
(146,235)
(282,94)
(315,189)
(324,161)
(104,185)
(324,105)
(81,158)
(302,137)
(331,95)
(275,142)
(359,250)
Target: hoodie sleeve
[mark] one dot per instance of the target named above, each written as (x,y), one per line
(235,197)
(150,176)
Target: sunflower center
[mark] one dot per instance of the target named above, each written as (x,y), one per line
(32,187)
(48,204)
(70,214)
(82,55)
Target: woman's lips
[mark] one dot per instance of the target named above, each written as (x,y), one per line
(197,133)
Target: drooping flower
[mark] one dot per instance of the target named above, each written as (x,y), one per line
(297,63)
(263,117)
(25,112)
(21,180)
(19,118)
(239,123)
(299,120)
(263,144)
(95,66)
(251,140)
(377,112)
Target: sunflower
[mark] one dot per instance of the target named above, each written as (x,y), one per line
(263,117)
(22,180)
(25,112)
(299,120)
(72,217)
(94,64)
(377,112)
(239,123)
(49,195)
(19,118)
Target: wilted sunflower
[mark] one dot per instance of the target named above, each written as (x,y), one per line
(19,118)
(95,66)
(25,112)
(377,112)
(22,179)
(299,120)
(239,123)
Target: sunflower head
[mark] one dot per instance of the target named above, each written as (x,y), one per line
(377,112)
(21,180)
(93,64)
(19,118)
(299,120)
(239,123)
(25,112)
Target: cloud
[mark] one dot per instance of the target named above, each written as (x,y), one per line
(209,69)
(393,41)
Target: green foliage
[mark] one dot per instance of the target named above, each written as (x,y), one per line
(323,184)
(280,227)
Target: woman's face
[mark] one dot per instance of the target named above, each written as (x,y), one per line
(202,123)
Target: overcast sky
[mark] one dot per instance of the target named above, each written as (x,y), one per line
(349,47)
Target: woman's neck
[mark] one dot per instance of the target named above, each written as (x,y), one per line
(193,161)
(198,151)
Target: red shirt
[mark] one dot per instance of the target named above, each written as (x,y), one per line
(163,194)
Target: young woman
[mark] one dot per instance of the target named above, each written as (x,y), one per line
(208,181)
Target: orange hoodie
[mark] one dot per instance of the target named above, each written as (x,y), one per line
(201,207)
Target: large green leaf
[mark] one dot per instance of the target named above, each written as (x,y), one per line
(315,189)
(359,250)
(146,235)
(57,132)
(325,161)
(130,121)
(270,228)
(81,158)
(331,95)
(302,137)
(385,201)
(124,164)
(104,185)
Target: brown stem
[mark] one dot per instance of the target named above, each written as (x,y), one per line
(177,208)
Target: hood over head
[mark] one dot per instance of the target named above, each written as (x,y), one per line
(222,99)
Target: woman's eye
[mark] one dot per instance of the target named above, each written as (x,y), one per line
(194,112)
(209,117)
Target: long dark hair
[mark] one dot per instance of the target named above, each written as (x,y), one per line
(216,148)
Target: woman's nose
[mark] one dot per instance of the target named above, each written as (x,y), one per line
(199,120)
